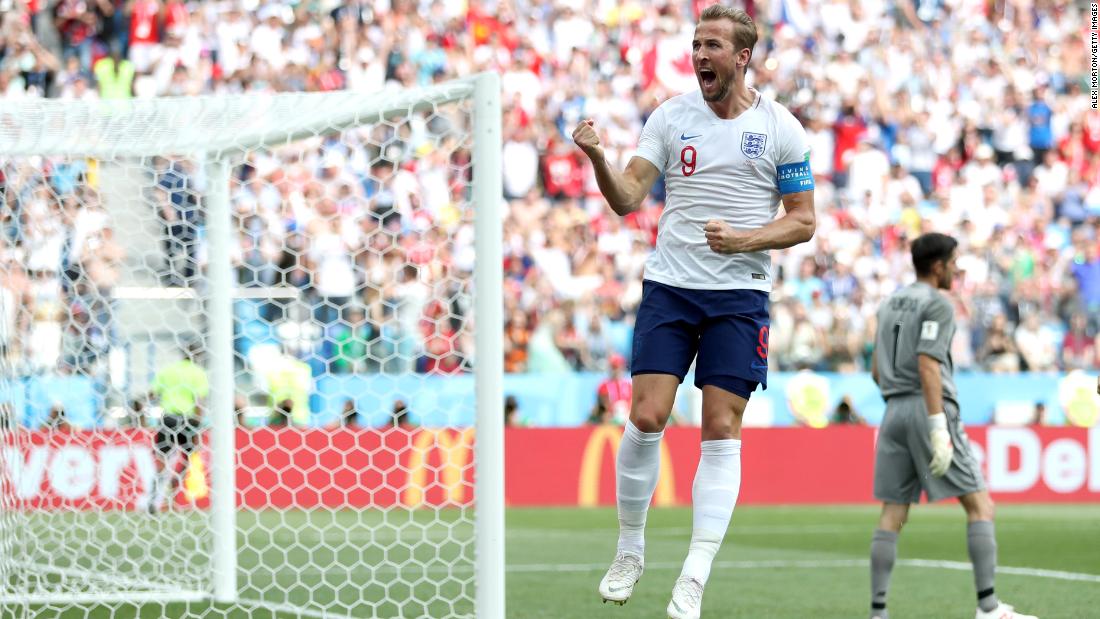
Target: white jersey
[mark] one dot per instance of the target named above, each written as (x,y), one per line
(728,170)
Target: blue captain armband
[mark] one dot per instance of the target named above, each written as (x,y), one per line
(794,177)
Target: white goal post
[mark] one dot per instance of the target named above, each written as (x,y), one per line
(218,132)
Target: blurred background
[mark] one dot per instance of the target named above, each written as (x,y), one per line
(965,117)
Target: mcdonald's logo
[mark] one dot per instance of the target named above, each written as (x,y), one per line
(588,492)
(455,451)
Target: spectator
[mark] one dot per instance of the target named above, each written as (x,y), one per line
(1086,270)
(178,207)
(516,338)
(998,353)
(1039,417)
(351,339)
(1036,343)
(614,394)
(845,413)
(288,382)
(400,416)
(1079,348)
(511,412)
(349,417)
(1040,131)
(115,76)
(56,420)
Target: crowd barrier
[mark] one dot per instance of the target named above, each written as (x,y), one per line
(566,400)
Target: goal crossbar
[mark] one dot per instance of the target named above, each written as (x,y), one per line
(206,124)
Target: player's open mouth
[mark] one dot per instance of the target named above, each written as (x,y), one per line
(707,77)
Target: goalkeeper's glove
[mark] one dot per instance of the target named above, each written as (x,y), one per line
(942,449)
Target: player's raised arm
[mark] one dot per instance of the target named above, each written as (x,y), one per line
(624,191)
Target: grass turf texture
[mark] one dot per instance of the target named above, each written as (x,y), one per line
(776,562)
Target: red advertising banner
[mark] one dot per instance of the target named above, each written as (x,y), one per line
(76,470)
(336,468)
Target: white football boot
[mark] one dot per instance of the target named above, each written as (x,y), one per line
(1003,611)
(687,599)
(624,573)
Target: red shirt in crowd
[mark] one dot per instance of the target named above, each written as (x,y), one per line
(848,129)
(176,17)
(1079,348)
(1092,132)
(564,175)
(443,356)
(143,22)
(616,390)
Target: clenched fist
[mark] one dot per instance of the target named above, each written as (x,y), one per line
(585,137)
(722,238)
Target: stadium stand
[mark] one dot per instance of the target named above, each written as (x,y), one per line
(927,116)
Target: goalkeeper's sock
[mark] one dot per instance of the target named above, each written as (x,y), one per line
(636,472)
(713,496)
(884,550)
(982,546)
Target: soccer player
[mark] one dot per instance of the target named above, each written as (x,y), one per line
(921,443)
(729,157)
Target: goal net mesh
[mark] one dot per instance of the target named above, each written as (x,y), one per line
(352,354)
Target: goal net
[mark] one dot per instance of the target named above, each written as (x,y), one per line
(239,369)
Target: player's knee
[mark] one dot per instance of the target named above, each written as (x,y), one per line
(647,419)
(646,415)
(719,427)
(979,506)
(721,421)
(649,412)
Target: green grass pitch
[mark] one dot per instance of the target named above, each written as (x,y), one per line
(776,562)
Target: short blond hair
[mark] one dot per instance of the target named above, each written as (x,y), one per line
(744,30)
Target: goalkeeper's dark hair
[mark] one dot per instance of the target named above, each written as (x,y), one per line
(744,30)
(931,248)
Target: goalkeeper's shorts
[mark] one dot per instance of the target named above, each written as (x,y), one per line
(903,452)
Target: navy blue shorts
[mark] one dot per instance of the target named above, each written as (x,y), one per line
(728,329)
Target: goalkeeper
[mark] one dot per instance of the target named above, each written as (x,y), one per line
(921,443)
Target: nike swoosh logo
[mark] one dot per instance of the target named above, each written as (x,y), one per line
(617,589)
(685,137)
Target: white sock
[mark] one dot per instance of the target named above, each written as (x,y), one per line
(636,472)
(714,494)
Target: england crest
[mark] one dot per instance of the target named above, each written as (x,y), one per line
(752,144)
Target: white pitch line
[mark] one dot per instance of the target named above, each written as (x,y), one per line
(814,564)
(362,535)
(462,568)
(729,565)
(291,609)
(1003,569)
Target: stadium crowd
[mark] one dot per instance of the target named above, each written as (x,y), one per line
(960,116)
